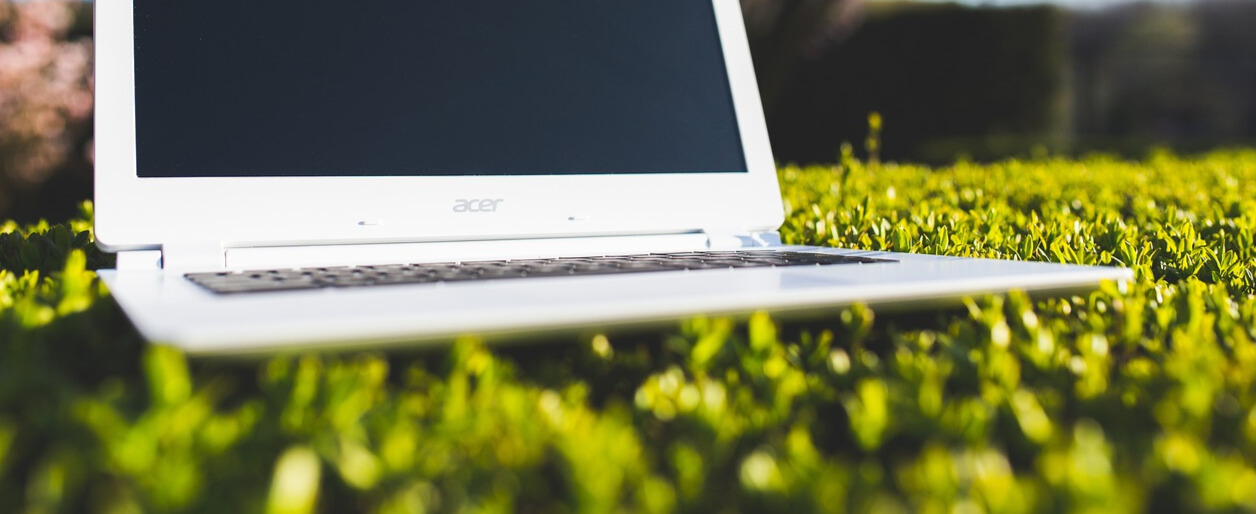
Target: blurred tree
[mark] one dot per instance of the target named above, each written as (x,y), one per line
(787,36)
(45,107)
(1180,75)
(949,80)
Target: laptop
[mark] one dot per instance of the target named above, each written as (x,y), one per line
(326,174)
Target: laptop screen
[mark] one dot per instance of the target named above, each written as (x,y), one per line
(266,88)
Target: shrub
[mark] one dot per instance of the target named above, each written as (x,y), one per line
(1126,399)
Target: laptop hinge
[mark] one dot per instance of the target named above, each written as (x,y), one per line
(139,260)
(184,257)
(720,239)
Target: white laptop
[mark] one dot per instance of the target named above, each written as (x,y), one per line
(279,175)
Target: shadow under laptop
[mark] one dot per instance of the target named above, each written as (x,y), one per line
(77,350)
(610,364)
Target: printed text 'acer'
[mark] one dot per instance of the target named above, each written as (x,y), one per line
(477,205)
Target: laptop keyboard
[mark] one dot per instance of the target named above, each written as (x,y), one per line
(234,282)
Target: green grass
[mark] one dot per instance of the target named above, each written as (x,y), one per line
(1129,399)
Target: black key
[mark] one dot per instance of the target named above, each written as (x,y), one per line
(392,274)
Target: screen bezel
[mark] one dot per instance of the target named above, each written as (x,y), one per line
(145,213)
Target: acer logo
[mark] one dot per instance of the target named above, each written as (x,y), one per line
(477,205)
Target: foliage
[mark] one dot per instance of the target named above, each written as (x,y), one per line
(1134,398)
(44,248)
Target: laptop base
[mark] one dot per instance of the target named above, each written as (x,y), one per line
(170,309)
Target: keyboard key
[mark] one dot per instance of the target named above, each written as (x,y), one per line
(254,281)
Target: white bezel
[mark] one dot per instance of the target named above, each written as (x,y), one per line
(143,213)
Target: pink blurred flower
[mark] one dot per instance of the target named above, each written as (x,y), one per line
(45,93)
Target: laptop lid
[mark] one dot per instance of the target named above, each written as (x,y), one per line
(255,123)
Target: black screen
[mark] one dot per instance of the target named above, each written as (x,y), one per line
(426,87)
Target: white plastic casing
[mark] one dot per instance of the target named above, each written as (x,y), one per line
(135,213)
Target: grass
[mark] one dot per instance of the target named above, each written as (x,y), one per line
(1129,399)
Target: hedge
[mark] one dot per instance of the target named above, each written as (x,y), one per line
(1130,398)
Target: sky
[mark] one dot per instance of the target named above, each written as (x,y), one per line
(1078,4)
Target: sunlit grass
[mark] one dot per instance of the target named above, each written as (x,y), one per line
(1125,399)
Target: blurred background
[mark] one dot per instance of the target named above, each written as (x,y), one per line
(980,80)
